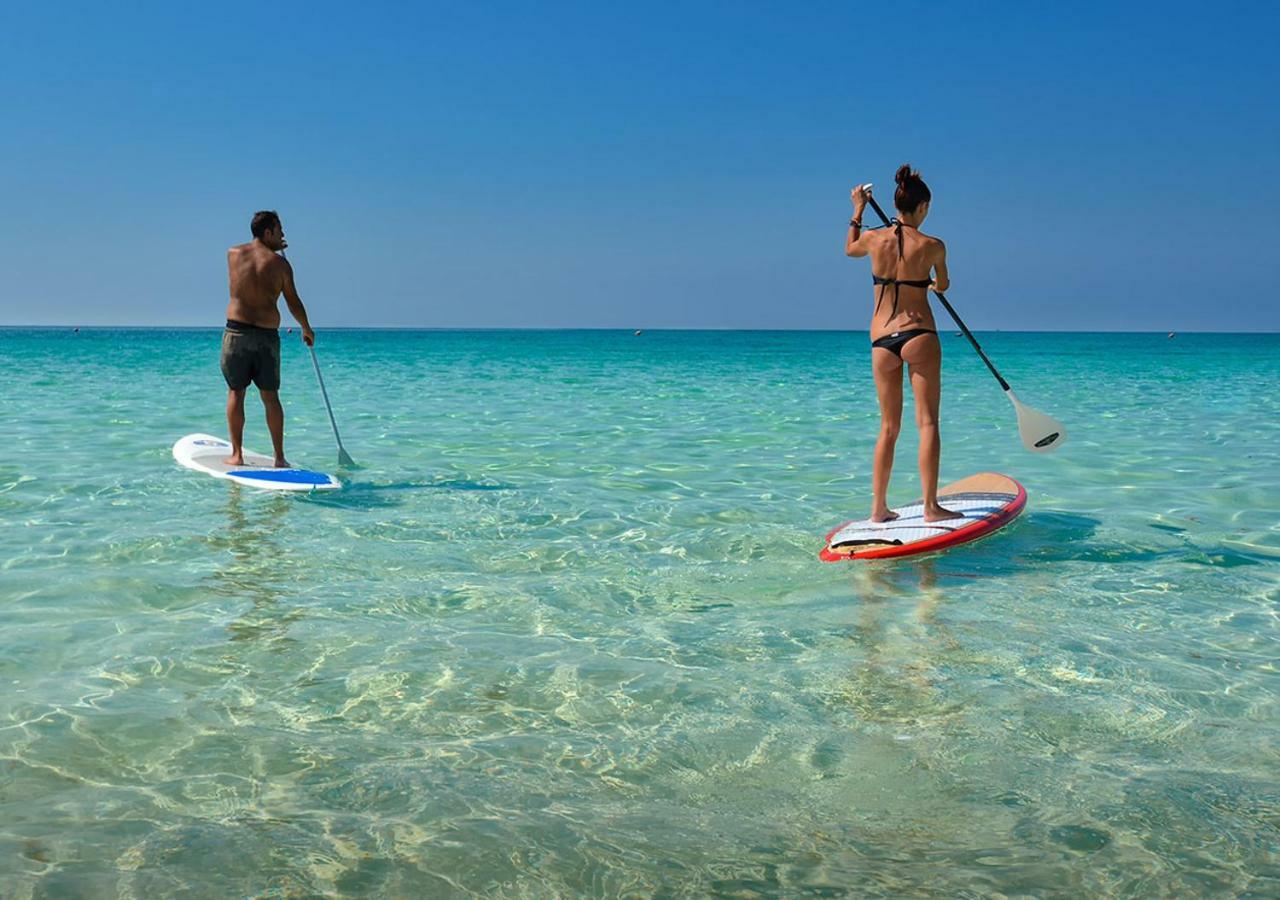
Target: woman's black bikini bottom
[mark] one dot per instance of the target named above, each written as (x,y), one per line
(895,342)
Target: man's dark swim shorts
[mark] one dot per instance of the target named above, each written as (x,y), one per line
(250,353)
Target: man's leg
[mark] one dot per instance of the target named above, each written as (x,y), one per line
(235,425)
(275,424)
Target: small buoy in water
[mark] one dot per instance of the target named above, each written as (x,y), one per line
(75,330)
(290,331)
(959,334)
(1172,335)
(639,331)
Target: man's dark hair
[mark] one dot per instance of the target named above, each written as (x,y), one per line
(262,220)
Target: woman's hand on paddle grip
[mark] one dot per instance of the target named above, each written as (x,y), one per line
(859,197)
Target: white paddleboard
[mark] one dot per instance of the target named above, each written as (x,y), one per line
(204,453)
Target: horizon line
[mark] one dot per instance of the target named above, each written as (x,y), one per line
(623,328)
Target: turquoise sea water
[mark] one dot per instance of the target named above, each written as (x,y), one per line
(565,632)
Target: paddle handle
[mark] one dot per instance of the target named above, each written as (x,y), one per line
(950,309)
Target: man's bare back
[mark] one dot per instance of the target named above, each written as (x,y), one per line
(256,276)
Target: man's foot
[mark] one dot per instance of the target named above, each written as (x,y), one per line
(282,463)
(883,515)
(235,459)
(937,513)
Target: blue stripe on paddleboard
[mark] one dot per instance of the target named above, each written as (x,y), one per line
(283,476)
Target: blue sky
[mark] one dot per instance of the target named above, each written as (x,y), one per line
(1094,166)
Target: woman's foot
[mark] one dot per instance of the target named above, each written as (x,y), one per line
(936,513)
(236,459)
(282,463)
(883,515)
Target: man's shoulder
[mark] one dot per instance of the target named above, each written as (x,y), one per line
(259,254)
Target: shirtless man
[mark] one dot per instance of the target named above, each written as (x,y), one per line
(251,343)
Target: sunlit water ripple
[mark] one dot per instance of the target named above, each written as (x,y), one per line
(565,632)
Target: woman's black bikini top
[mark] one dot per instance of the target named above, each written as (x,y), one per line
(896,282)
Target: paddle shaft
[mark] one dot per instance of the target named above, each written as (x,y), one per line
(951,309)
(343,456)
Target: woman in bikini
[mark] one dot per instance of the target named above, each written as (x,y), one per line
(902,330)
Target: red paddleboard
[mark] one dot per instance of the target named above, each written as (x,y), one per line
(987,502)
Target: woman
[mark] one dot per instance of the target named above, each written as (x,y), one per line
(902,330)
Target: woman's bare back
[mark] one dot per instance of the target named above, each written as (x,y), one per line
(902,254)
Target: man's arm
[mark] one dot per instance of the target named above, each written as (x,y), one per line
(296,309)
(941,280)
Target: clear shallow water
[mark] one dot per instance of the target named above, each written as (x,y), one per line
(566,632)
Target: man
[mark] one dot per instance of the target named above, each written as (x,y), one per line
(251,343)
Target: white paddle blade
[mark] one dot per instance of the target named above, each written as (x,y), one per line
(1039,432)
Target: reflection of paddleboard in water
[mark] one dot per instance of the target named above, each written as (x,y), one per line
(988,502)
(205,453)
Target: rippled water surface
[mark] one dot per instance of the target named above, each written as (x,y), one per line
(565,631)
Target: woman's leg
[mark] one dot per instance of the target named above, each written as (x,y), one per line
(923,356)
(887,368)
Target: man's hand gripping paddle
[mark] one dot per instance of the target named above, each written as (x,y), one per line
(1039,432)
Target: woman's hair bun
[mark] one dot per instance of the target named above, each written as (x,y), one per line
(912,191)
